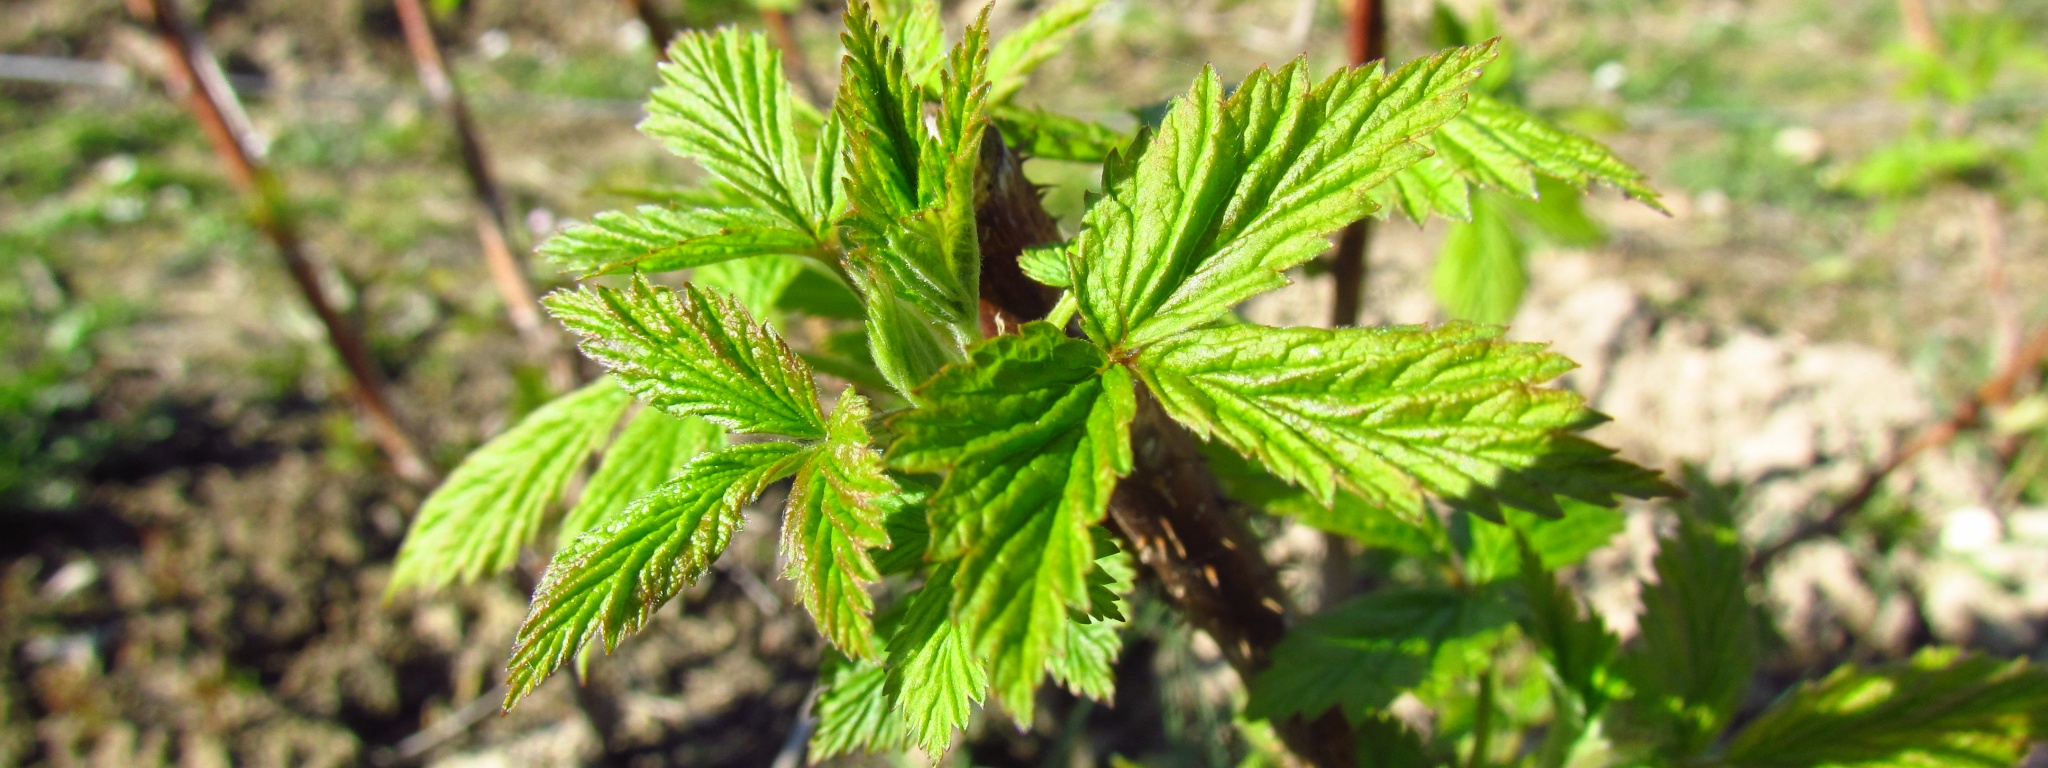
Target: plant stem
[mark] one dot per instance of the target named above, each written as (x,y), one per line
(192,72)
(508,271)
(659,31)
(1482,721)
(1367,27)
(1170,510)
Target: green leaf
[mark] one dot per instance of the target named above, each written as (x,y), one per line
(1047,265)
(853,712)
(1232,192)
(614,577)
(1575,649)
(1038,133)
(913,214)
(907,345)
(1480,270)
(493,504)
(694,352)
(1691,662)
(1497,145)
(916,26)
(724,103)
(653,448)
(1371,526)
(758,284)
(1083,657)
(1495,550)
(1032,433)
(1392,413)
(1020,52)
(1364,652)
(1942,709)
(654,238)
(1431,185)
(934,676)
(835,516)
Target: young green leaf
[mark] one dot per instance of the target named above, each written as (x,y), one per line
(1032,433)
(724,103)
(759,284)
(1698,644)
(613,578)
(934,676)
(1041,134)
(1020,52)
(653,447)
(1389,413)
(907,345)
(835,516)
(853,711)
(1363,653)
(654,238)
(916,26)
(1481,271)
(1942,709)
(694,352)
(1431,185)
(1232,192)
(913,215)
(494,503)
(1495,551)
(1499,146)
(1575,649)
(1047,265)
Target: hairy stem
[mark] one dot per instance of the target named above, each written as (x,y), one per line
(1170,510)
(192,72)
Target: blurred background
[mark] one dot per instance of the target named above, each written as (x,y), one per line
(1840,315)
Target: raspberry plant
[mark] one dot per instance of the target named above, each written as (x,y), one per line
(1027,427)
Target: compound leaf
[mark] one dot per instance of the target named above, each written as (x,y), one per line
(652,448)
(494,503)
(1942,709)
(613,578)
(1391,413)
(1032,433)
(1084,654)
(1233,191)
(653,238)
(835,515)
(1500,146)
(694,352)
(1363,653)
(724,103)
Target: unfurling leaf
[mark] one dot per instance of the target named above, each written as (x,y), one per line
(611,580)
(695,352)
(1032,433)
(494,503)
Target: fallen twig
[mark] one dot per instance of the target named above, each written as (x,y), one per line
(1996,391)
(192,72)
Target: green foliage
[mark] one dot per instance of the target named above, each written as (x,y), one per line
(613,578)
(1231,192)
(1032,433)
(1361,654)
(495,502)
(955,549)
(1698,645)
(694,353)
(1942,708)
(1392,413)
